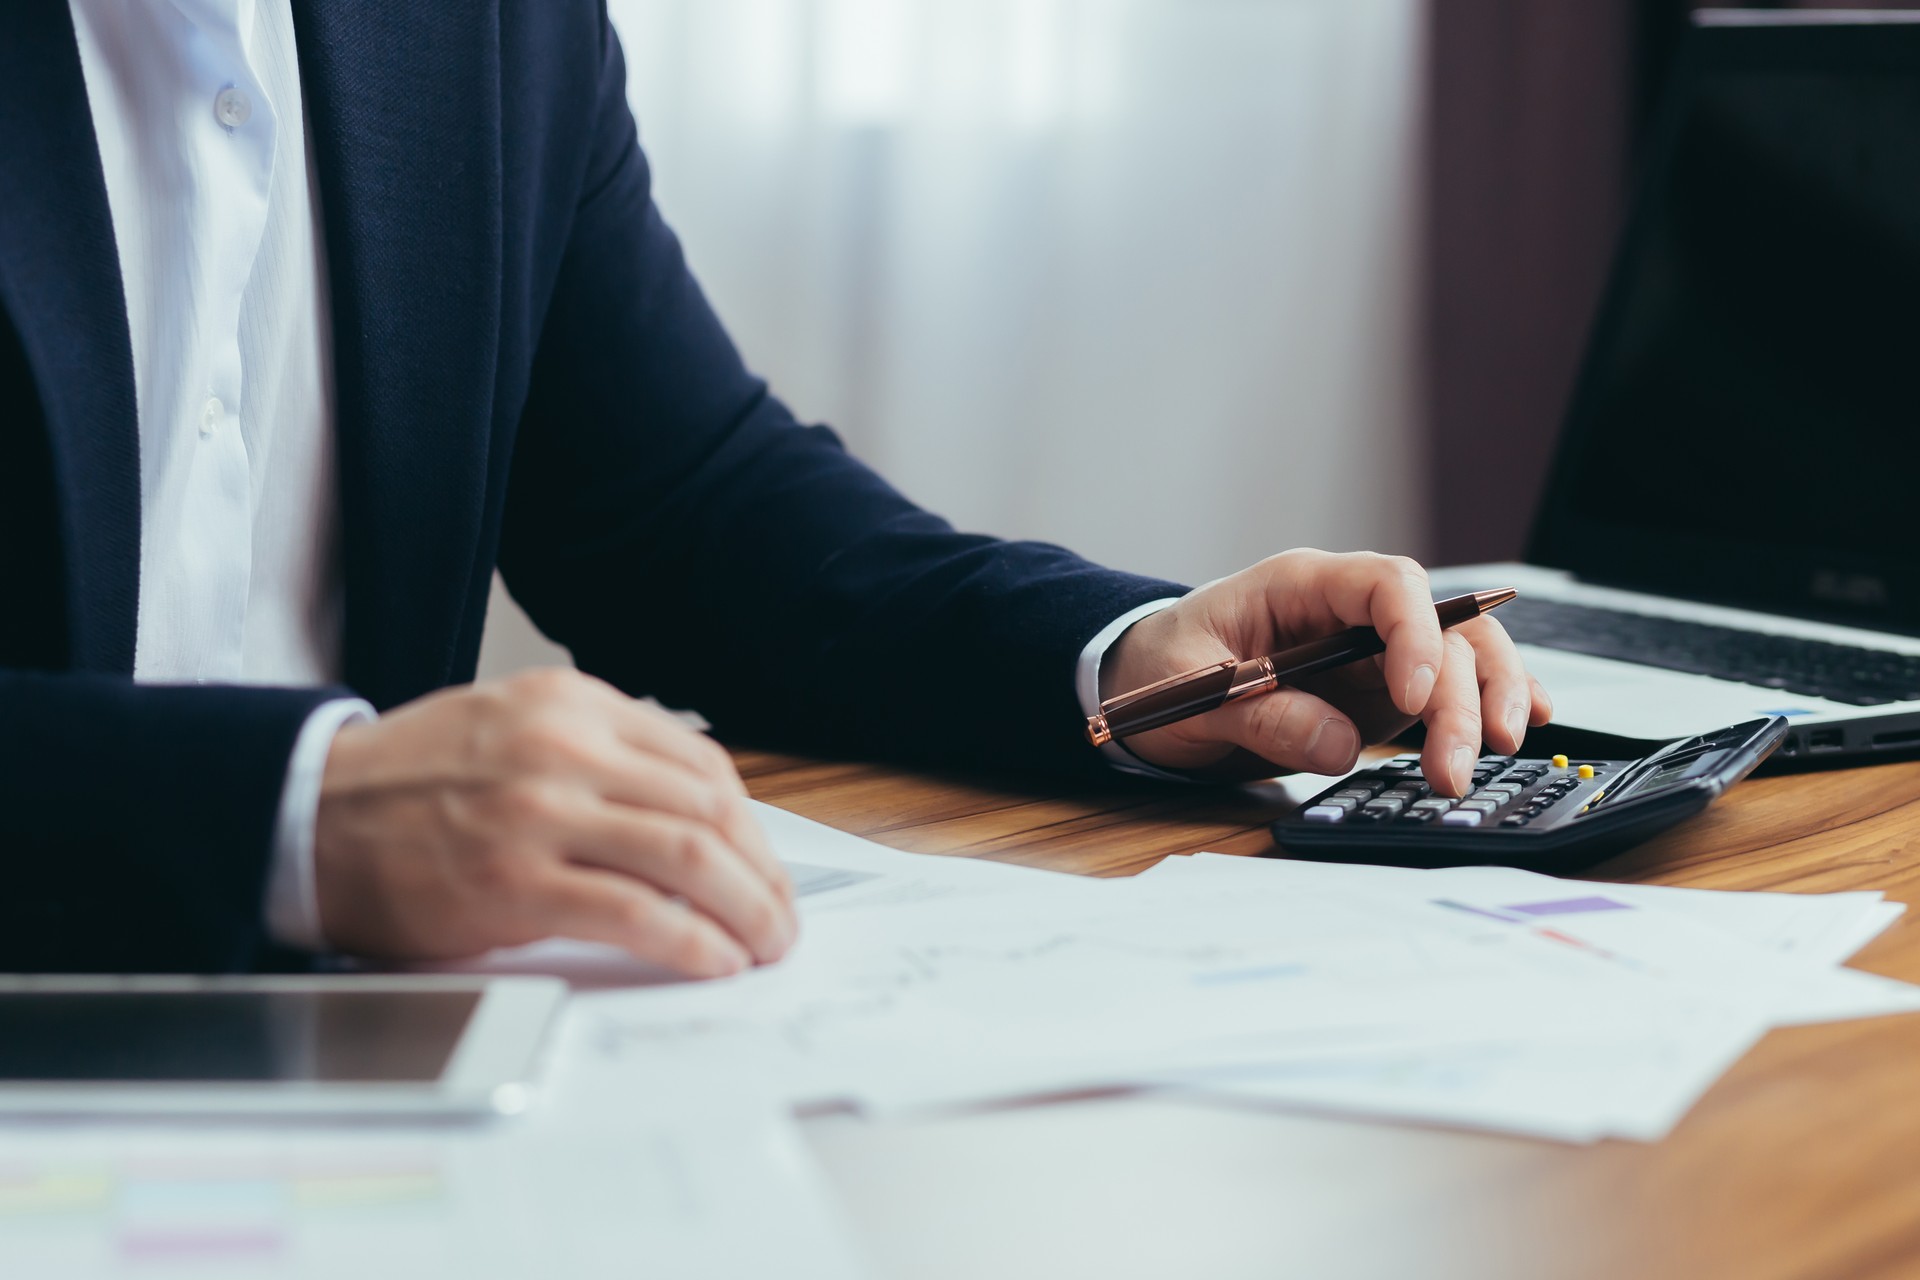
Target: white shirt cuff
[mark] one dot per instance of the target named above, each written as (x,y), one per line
(1087,683)
(293,903)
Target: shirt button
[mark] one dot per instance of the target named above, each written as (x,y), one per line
(210,416)
(232,107)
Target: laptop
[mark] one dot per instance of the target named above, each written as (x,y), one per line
(1731,524)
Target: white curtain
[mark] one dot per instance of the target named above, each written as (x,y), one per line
(1137,276)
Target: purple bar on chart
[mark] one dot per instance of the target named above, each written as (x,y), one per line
(1569,907)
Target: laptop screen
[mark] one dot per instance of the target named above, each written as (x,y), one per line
(1745,429)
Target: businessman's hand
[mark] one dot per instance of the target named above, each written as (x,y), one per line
(1466,683)
(544,804)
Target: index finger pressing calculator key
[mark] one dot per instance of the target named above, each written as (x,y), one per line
(1545,814)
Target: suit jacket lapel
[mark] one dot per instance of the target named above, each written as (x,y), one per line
(403,106)
(60,282)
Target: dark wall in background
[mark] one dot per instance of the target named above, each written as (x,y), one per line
(1537,108)
(1531,120)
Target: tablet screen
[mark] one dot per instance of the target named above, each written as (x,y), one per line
(221,1036)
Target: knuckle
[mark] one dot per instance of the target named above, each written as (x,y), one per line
(761,921)
(639,915)
(714,757)
(687,949)
(1293,556)
(709,804)
(542,683)
(542,744)
(1277,724)
(497,871)
(693,852)
(529,803)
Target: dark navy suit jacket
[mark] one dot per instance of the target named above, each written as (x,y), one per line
(527,376)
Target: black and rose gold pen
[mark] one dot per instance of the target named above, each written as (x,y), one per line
(1195,693)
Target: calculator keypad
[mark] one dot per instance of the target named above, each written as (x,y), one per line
(1507,793)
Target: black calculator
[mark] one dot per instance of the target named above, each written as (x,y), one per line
(1547,815)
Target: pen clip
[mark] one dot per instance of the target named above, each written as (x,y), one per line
(1127,699)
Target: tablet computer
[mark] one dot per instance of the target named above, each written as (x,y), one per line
(348,1045)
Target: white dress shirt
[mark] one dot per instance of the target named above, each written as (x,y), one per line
(202,134)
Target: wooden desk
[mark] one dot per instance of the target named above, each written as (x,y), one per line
(1804,1161)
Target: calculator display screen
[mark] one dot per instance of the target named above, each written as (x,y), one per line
(1668,775)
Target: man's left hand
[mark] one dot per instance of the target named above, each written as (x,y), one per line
(1466,683)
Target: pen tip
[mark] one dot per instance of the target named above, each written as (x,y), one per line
(1493,599)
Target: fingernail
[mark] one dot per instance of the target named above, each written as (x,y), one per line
(733,960)
(1419,689)
(1460,769)
(1333,747)
(1517,724)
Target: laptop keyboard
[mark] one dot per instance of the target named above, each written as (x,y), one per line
(1837,672)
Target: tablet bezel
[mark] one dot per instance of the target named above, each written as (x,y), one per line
(490,1072)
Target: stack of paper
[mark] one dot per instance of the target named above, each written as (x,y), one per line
(1716,971)
(1483,997)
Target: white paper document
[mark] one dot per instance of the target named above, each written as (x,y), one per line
(1483,996)
(1632,1079)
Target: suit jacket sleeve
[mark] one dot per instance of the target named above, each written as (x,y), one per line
(136,821)
(670,522)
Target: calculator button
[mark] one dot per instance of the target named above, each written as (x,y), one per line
(1345,804)
(1478,806)
(1404,795)
(1417,816)
(1460,818)
(1370,815)
(1515,820)
(1435,804)
(1325,813)
(1355,793)
(1391,808)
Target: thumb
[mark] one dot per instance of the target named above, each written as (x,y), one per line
(1291,727)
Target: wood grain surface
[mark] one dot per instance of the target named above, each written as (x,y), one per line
(1804,1161)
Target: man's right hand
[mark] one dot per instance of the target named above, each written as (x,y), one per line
(544,804)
